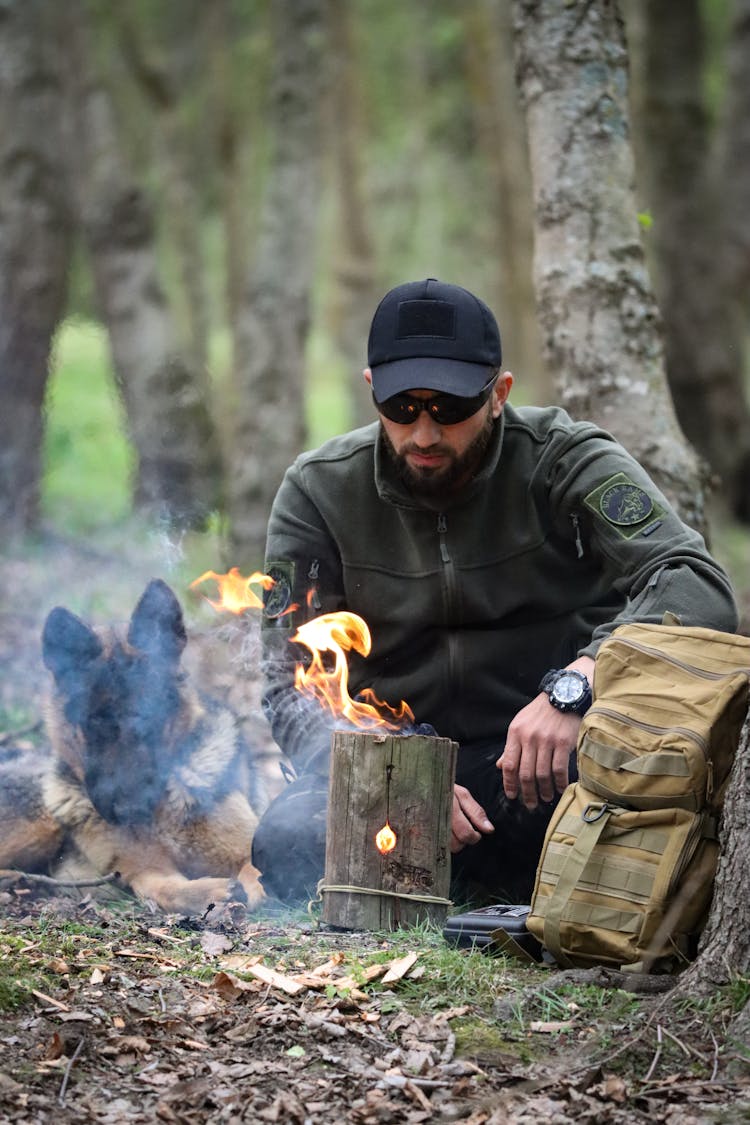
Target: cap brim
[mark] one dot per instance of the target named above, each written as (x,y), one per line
(428,373)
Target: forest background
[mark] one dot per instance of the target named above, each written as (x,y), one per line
(203,204)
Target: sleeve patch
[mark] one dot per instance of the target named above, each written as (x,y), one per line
(624,505)
(278,610)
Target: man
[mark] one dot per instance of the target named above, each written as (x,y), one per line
(490,550)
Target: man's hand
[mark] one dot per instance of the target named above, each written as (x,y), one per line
(538,747)
(469,820)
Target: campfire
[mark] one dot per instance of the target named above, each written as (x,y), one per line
(381,772)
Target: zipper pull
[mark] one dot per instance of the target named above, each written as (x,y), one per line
(577,528)
(442,526)
(313,599)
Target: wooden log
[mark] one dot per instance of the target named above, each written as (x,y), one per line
(407,782)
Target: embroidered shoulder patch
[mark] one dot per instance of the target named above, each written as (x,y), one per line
(277,601)
(624,505)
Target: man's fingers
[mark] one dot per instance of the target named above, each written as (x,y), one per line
(508,763)
(468,821)
(561,769)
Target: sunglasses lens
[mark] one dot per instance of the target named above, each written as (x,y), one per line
(446,410)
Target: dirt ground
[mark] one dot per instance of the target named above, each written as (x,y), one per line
(117,1013)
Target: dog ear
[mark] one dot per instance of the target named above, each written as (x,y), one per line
(157,626)
(67,643)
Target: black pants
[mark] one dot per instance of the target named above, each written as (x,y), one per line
(289,844)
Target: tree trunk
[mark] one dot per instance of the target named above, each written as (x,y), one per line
(178,474)
(35,245)
(724,952)
(695,232)
(355,288)
(274,319)
(502,143)
(182,214)
(596,306)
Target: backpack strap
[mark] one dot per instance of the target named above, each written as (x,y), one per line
(595,817)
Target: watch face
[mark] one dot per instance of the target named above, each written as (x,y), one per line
(568,688)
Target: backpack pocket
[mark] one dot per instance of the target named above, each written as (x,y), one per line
(624,887)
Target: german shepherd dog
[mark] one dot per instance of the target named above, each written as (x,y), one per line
(145,777)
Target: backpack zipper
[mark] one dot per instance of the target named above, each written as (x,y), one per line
(626,721)
(706,675)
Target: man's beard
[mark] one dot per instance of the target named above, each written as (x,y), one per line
(459,471)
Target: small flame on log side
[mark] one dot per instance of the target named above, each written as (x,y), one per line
(385,839)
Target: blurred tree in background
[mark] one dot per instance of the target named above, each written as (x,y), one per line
(243,179)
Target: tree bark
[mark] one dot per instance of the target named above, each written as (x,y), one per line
(178,474)
(157,82)
(355,288)
(35,247)
(724,953)
(502,143)
(596,306)
(274,319)
(699,207)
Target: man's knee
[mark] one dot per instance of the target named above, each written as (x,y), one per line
(290,841)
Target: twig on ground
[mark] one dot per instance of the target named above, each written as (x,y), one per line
(657,1053)
(9,876)
(716,1057)
(68,1068)
(685,1050)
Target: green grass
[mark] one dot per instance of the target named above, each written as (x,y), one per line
(87,457)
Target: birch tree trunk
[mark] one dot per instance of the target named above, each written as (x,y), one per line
(275,313)
(597,310)
(355,288)
(178,473)
(182,214)
(699,206)
(35,243)
(502,142)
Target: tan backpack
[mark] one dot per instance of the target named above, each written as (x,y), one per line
(627,867)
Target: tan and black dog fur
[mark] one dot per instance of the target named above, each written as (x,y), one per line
(145,777)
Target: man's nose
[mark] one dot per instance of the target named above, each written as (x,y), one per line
(425,431)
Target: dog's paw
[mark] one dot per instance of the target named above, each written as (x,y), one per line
(252,890)
(178,895)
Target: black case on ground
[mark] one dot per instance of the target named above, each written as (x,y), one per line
(474,929)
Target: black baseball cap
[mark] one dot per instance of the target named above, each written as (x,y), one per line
(428,335)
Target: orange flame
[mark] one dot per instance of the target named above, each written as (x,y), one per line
(385,840)
(235,594)
(339,633)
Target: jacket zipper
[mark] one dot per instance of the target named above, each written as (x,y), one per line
(450,587)
(313,598)
(575,520)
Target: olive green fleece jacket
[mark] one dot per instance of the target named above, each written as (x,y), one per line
(559,538)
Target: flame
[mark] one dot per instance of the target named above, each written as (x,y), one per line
(339,633)
(385,839)
(235,594)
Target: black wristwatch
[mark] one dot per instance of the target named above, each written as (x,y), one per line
(567,690)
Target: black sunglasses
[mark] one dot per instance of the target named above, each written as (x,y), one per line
(446,410)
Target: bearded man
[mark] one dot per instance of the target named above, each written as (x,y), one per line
(490,549)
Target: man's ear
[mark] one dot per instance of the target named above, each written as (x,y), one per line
(500,393)
(368,376)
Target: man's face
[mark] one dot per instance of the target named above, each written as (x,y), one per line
(433,459)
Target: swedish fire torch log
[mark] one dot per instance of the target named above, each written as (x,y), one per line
(388,836)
